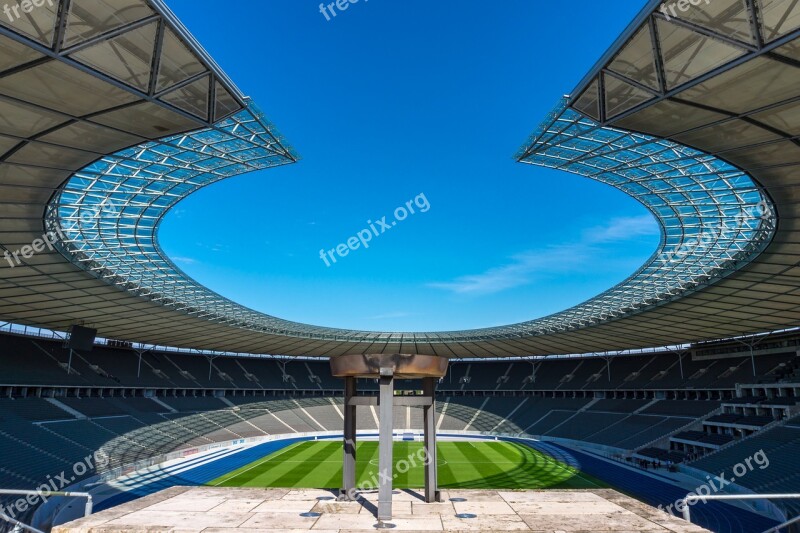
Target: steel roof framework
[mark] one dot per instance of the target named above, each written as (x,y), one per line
(713,217)
(725,206)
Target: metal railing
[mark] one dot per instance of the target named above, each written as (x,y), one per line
(778,528)
(19,525)
(757,433)
(691,499)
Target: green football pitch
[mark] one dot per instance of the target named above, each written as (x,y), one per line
(468,465)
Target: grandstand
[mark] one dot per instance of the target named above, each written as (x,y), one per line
(134,422)
(639,408)
(111,113)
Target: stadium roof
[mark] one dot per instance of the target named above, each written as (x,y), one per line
(110,116)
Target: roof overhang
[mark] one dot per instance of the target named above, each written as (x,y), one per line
(109,118)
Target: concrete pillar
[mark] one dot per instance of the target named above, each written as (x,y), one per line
(349,468)
(429,412)
(385,444)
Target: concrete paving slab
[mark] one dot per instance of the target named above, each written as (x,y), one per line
(228,510)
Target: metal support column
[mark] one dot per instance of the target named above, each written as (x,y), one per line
(349,469)
(387,368)
(385,444)
(429,411)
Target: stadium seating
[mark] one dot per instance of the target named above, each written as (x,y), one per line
(191,403)
(130,429)
(780,445)
(36,409)
(686,408)
(41,362)
(50,419)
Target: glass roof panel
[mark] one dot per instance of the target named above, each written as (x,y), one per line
(37,22)
(192,98)
(622,96)
(225,104)
(127,57)
(778,17)
(127,193)
(24,120)
(25,175)
(87,136)
(779,153)
(785,118)
(682,56)
(728,135)
(58,86)
(728,18)
(133,188)
(51,156)
(178,62)
(636,60)
(588,103)
(721,193)
(667,117)
(13,54)
(758,83)
(90,18)
(147,120)
(791,49)
(7,143)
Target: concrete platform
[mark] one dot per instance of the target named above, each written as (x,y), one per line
(230,510)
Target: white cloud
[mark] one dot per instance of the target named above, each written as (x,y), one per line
(184,260)
(520,271)
(622,229)
(524,268)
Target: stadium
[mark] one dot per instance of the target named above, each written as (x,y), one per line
(136,398)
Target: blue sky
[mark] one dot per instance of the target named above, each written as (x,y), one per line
(387,101)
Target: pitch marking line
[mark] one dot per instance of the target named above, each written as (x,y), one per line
(268,459)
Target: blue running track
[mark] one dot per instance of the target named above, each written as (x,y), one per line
(199,475)
(715,515)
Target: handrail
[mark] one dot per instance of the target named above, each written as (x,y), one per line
(777,528)
(691,499)
(17,523)
(758,433)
